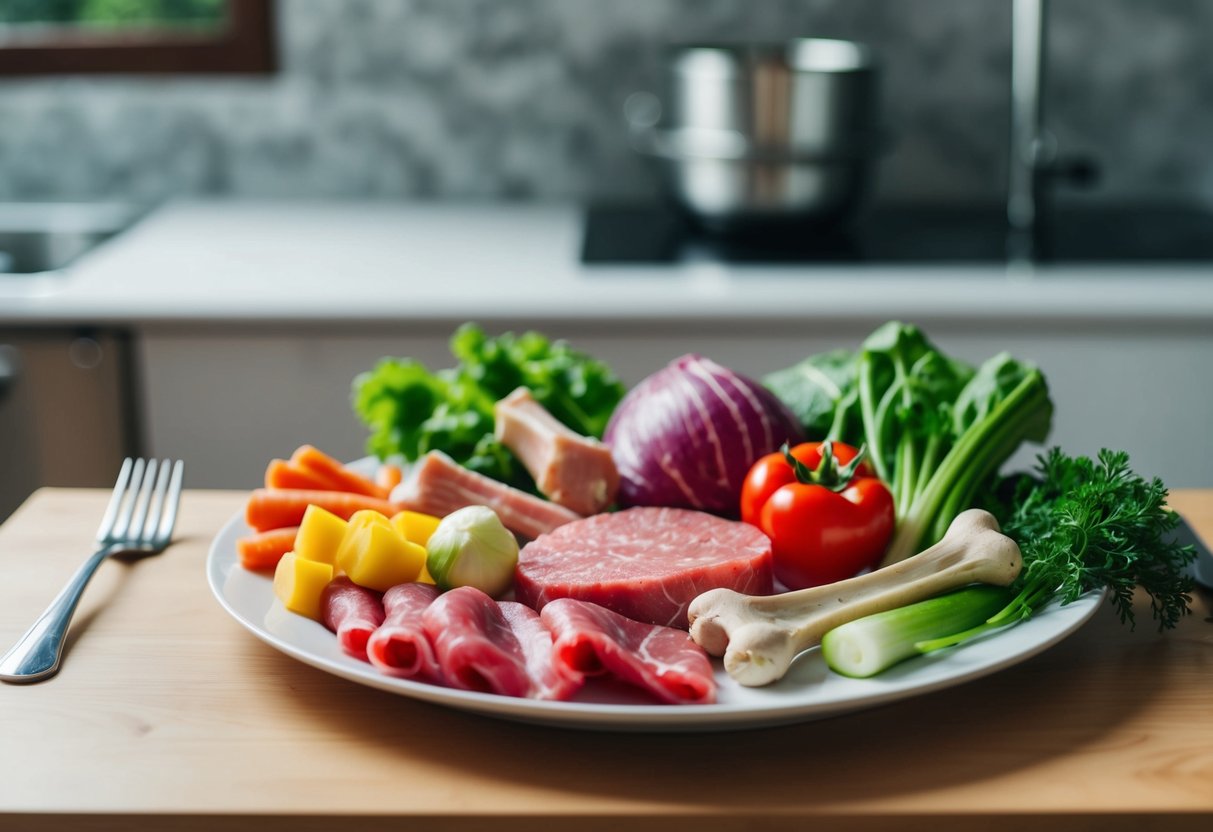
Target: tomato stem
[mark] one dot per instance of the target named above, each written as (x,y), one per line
(828,473)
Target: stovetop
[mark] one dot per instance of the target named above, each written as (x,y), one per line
(655,233)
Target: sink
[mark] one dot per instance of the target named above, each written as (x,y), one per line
(39,238)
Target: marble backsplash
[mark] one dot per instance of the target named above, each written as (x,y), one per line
(522,98)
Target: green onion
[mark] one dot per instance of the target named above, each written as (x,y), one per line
(869,645)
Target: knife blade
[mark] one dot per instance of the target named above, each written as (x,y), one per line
(1201,569)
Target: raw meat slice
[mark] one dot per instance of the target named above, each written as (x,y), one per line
(573,470)
(438,485)
(645,563)
(475,646)
(590,640)
(352,612)
(548,680)
(400,646)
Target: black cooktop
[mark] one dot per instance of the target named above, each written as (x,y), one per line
(653,233)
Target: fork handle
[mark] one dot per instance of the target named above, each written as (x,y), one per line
(36,655)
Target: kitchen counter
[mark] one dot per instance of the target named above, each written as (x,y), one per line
(231,261)
(270,309)
(168,715)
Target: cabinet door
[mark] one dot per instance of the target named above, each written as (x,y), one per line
(65,411)
(228,402)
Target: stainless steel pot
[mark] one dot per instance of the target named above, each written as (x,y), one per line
(763,133)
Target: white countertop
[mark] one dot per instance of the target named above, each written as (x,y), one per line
(233,261)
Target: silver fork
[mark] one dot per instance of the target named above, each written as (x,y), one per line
(139,519)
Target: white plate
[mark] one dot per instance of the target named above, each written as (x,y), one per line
(809,691)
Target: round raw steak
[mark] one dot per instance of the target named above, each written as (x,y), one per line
(645,563)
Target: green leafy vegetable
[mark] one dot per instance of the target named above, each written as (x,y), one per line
(1005,403)
(937,429)
(411,410)
(822,393)
(1083,525)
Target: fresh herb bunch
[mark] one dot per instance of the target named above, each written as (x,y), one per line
(411,410)
(1085,524)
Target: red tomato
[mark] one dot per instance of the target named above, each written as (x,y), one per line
(772,472)
(820,532)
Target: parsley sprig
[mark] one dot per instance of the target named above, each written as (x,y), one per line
(1085,524)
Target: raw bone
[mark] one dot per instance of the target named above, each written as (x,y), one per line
(760,635)
(574,471)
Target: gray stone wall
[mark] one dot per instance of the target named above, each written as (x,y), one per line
(521,99)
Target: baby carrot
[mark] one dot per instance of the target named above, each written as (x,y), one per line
(278,508)
(263,550)
(334,474)
(282,474)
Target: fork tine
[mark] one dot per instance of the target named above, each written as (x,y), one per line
(111,511)
(171,501)
(123,520)
(143,499)
(156,506)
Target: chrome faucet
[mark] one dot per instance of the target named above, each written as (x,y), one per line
(1034,162)
(1028,149)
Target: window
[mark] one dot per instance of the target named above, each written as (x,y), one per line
(40,37)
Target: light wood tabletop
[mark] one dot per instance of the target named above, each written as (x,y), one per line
(168,715)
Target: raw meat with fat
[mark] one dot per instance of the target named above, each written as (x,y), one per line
(590,640)
(645,563)
(475,646)
(400,646)
(573,470)
(548,679)
(438,485)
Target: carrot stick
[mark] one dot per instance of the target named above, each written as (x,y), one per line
(282,474)
(332,472)
(275,509)
(389,476)
(263,550)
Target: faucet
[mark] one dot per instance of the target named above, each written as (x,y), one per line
(1034,163)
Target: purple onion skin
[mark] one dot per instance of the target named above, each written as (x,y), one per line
(687,435)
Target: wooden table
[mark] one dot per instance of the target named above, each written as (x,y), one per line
(167,715)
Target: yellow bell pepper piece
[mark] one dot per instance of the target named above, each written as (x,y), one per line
(378,557)
(298,584)
(416,526)
(320,533)
(368,517)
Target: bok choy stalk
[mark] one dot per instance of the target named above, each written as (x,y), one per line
(1081,525)
(937,430)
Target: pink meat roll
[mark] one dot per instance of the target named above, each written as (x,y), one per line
(400,646)
(476,648)
(548,680)
(353,612)
(590,640)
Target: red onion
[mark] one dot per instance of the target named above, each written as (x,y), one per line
(686,436)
